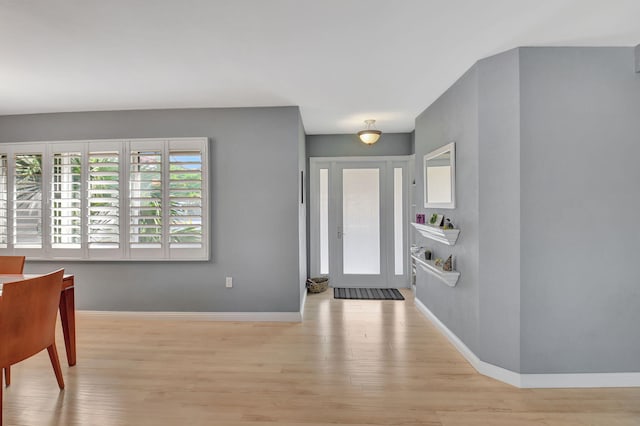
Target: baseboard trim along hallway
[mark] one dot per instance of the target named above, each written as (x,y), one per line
(586,380)
(204,316)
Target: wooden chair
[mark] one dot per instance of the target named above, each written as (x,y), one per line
(28,311)
(11,265)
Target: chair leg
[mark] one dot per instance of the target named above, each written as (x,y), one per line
(1,386)
(7,376)
(55,362)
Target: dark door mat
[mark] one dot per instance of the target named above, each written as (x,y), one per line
(367,293)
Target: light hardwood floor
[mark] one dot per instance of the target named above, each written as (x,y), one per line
(349,362)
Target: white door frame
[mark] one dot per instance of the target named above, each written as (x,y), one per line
(386,226)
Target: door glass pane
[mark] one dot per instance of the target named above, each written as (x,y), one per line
(397,221)
(324,221)
(361,221)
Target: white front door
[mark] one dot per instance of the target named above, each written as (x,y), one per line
(358,221)
(361,248)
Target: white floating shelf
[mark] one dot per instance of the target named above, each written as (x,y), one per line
(450,278)
(445,236)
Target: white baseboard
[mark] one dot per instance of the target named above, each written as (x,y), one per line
(203,316)
(584,380)
(303,303)
(209,316)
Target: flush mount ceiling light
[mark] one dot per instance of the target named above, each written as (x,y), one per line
(369,135)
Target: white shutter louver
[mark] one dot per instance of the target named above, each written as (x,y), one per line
(145,199)
(66,200)
(4,192)
(185,196)
(27,201)
(104,200)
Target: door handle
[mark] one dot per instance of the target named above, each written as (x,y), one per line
(340,233)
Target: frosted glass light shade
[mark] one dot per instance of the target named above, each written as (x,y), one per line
(369,136)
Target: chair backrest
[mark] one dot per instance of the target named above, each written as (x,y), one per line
(28,312)
(11,264)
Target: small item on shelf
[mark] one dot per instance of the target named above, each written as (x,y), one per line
(427,254)
(420,218)
(438,262)
(448,264)
(448,224)
(436,219)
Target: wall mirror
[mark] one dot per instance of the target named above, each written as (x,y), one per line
(440,177)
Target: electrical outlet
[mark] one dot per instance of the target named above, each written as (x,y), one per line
(229,282)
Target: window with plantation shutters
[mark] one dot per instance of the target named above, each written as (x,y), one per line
(137,199)
(27,200)
(4,192)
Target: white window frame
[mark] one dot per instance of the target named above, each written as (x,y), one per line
(124,252)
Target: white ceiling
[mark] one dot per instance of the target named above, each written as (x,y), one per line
(341,61)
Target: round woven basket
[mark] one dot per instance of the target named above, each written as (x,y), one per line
(317,284)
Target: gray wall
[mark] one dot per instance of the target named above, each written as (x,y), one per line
(254,172)
(547,204)
(580,146)
(480,113)
(302,210)
(351,146)
(453,118)
(413,142)
(499,210)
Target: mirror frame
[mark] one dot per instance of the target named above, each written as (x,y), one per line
(450,147)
